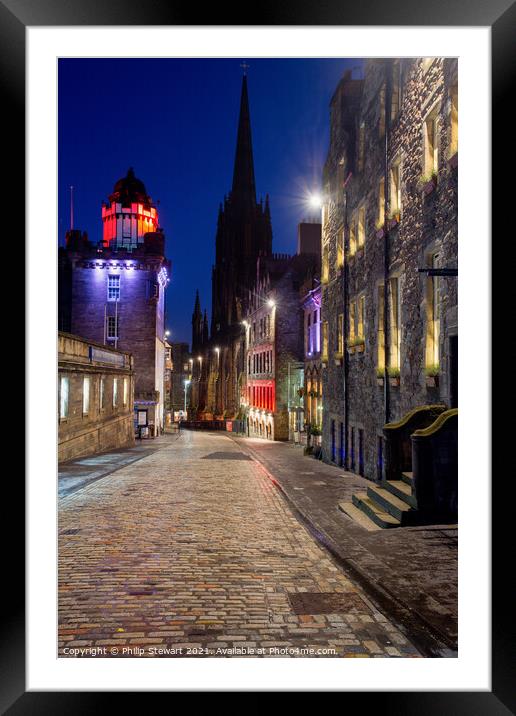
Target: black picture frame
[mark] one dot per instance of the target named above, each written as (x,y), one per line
(500,16)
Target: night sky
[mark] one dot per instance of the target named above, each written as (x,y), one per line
(175,122)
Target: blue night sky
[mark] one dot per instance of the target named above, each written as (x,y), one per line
(175,122)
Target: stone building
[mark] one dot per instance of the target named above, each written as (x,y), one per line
(313,370)
(95,397)
(273,395)
(181,372)
(113,292)
(243,234)
(389,285)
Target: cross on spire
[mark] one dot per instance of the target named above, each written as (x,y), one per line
(245,67)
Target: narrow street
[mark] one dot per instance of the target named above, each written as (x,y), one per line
(192,550)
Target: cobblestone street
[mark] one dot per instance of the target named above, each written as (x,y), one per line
(193,551)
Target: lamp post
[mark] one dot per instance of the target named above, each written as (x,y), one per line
(187,383)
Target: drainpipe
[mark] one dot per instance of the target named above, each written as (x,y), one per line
(386,257)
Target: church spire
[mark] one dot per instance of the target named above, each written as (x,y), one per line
(244,189)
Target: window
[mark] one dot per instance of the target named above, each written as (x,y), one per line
(432,317)
(113,288)
(63,397)
(380,330)
(361,227)
(352,320)
(115,392)
(325,340)
(395,198)
(340,333)
(361,147)
(112,327)
(101,394)
(431,144)
(381,124)
(454,120)
(340,249)
(381,203)
(396,90)
(85,395)
(394,322)
(126,391)
(353,237)
(360,317)
(325,264)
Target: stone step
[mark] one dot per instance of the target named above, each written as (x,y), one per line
(401,490)
(358,516)
(373,510)
(393,505)
(407,477)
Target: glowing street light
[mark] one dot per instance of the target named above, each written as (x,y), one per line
(315,201)
(187,383)
(271,303)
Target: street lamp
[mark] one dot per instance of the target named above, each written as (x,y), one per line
(271,303)
(187,383)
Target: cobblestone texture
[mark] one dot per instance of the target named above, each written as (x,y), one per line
(175,555)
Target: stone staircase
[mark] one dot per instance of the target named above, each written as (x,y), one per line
(393,502)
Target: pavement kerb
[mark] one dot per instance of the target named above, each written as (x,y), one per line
(429,640)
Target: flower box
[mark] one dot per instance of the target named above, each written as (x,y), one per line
(394,381)
(360,347)
(432,381)
(393,221)
(379,381)
(351,349)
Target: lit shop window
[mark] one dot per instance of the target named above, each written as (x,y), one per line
(126,391)
(352,321)
(360,317)
(340,333)
(353,236)
(454,120)
(325,264)
(85,395)
(63,397)
(113,288)
(325,340)
(340,248)
(115,392)
(395,189)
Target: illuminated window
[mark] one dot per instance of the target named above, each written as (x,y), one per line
(454,120)
(433,324)
(115,392)
(381,124)
(352,321)
(361,227)
(380,329)
(340,333)
(325,264)
(431,144)
(340,249)
(396,89)
(63,397)
(353,237)
(126,391)
(361,147)
(113,288)
(325,340)
(394,323)
(85,395)
(381,203)
(395,198)
(101,394)
(360,317)
(112,327)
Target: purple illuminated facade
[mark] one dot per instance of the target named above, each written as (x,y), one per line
(311,301)
(115,295)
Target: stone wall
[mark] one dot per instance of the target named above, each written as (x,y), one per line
(394,248)
(104,426)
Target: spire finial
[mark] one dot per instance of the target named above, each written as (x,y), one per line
(244,67)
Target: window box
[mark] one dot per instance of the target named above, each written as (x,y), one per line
(351,348)
(338,358)
(360,347)
(453,161)
(380,381)
(432,381)
(395,382)
(394,376)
